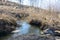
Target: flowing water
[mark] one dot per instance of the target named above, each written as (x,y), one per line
(24,29)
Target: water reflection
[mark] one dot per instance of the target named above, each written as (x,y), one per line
(27,29)
(24,29)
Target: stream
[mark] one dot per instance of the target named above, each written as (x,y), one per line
(24,29)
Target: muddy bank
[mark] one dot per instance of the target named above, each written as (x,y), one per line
(44,25)
(7,24)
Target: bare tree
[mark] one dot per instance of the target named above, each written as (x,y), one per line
(52,7)
(33,2)
(20,1)
(40,4)
(49,6)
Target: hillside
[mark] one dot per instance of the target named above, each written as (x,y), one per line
(12,9)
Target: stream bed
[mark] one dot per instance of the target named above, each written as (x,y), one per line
(24,29)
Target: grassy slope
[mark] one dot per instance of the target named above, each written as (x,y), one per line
(34,13)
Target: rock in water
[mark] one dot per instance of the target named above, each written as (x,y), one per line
(49,31)
(15,31)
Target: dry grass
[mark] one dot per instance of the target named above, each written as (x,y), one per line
(34,13)
(8,18)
